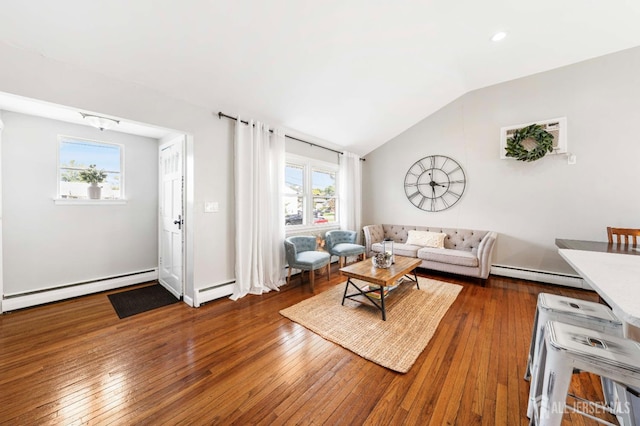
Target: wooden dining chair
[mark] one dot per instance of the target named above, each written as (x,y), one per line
(620,233)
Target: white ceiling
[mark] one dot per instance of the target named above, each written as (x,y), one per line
(352,72)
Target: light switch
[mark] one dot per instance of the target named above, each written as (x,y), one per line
(211,207)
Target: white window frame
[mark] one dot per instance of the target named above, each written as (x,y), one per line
(85,201)
(308,165)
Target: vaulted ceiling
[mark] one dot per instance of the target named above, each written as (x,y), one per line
(355,73)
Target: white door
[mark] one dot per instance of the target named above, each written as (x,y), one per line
(171,216)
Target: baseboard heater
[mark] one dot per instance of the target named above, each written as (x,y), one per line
(540,276)
(213,292)
(11,302)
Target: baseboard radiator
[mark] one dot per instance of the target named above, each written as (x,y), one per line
(11,302)
(213,292)
(546,277)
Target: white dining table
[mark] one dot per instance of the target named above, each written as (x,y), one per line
(616,278)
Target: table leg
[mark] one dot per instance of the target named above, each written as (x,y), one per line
(346,287)
(380,306)
(414,279)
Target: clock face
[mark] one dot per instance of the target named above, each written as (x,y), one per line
(434,183)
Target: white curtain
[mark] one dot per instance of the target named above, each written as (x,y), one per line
(259,212)
(350,192)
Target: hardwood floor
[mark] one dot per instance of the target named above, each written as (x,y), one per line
(75,362)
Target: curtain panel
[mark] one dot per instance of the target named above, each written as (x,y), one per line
(259,161)
(350,192)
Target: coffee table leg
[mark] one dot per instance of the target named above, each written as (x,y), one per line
(346,287)
(415,276)
(384,311)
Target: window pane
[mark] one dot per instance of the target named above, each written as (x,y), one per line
(77,155)
(323,185)
(310,193)
(294,195)
(104,156)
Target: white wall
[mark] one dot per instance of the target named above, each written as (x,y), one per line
(595,95)
(48,245)
(528,204)
(293,146)
(35,76)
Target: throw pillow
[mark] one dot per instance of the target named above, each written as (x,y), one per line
(426,239)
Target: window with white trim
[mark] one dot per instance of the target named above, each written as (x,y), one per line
(84,165)
(310,195)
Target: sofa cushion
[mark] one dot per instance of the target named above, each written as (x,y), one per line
(463,239)
(399,249)
(453,257)
(426,238)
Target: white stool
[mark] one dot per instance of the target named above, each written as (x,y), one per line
(578,312)
(567,347)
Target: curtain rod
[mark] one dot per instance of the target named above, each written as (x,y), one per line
(221,114)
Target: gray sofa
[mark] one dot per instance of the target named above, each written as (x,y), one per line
(466,251)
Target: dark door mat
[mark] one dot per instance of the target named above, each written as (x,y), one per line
(132,302)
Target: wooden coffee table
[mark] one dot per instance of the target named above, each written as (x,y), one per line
(380,277)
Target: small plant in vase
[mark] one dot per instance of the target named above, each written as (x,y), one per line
(93,177)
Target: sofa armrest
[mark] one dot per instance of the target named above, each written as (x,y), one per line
(485,251)
(372,234)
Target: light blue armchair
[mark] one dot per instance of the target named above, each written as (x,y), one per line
(301,254)
(342,244)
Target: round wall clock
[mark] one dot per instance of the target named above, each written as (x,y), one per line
(434,183)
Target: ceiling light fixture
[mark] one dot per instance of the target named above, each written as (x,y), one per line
(498,36)
(102,123)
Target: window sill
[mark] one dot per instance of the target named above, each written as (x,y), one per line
(310,229)
(79,202)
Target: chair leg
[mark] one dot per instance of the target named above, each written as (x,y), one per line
(329,271)
(311,279)
(341,261)
(557,377)
(289,276)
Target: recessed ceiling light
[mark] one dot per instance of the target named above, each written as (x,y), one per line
(498,36)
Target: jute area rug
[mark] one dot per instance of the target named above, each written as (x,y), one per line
(412,318)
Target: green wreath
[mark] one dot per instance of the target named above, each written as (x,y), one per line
(536,132)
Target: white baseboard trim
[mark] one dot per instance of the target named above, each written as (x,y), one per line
(546,277)
(11,302)
(212,292)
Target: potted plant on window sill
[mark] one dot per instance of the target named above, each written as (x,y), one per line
(93,177)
